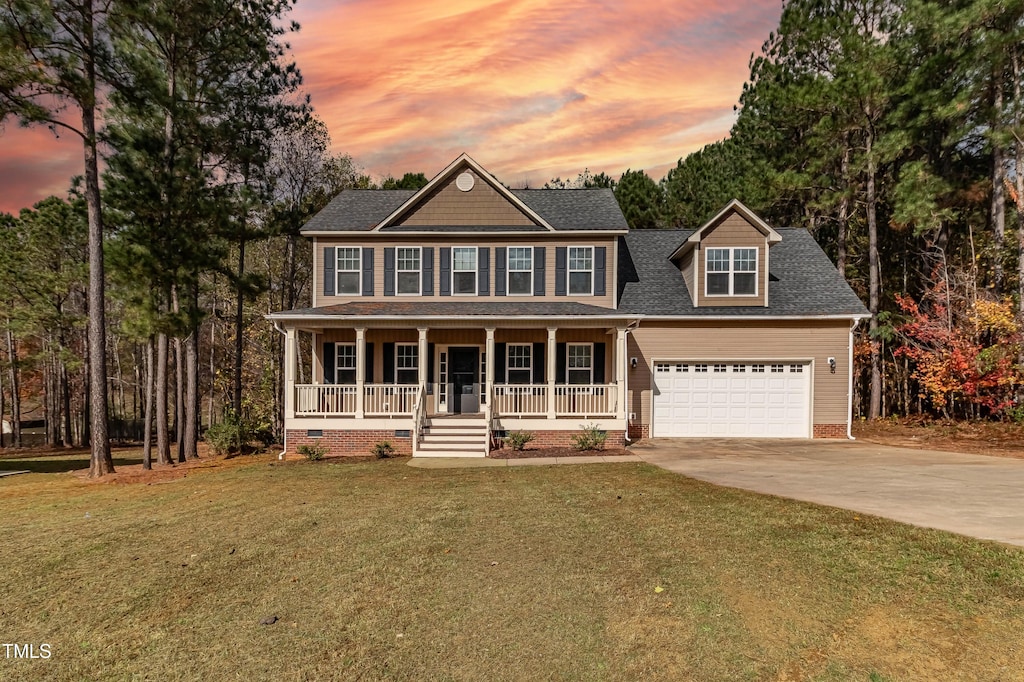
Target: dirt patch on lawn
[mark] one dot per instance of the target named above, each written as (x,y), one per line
(527,453)
(164,473)
(980,438)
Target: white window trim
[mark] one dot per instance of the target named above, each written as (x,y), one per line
(568,352)
(569,270)
(732,271)
(508,360)
(476,270)
(398,347)
(337,362)
(419,272)
(338,270)
(509,270)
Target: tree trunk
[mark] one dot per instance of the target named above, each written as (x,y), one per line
(100,462)
(997,207)
(163,441)
(874,285)
(3,405)
(147,421)
(191,436)
(236,399)
(179,383)
(12,355)
(1019,180)
(844,209)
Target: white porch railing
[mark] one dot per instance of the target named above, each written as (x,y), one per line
(594,400)
(332,399)
(531,400)
(520,400)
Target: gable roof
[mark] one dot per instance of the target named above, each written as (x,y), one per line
(734,206)
(365,210)
(803,281)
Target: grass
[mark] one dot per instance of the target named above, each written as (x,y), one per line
(589,572)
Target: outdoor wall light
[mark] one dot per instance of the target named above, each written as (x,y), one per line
(632,362)
(832,365)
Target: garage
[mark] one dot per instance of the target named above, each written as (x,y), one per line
(731,399)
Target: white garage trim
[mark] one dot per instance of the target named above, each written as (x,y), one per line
(691,399)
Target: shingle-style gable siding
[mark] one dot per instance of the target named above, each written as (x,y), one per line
(448,205)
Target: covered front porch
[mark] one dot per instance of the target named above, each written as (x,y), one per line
(398,379)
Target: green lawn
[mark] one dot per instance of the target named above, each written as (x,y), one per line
(580,572)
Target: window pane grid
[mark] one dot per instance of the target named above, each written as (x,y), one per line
(731,272)
(409,259)
(348,259)
(520,259)
(346,356)
(519,356)
(464,259)
(579,357)
(406,356)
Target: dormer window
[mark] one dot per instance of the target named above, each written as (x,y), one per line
(731,272)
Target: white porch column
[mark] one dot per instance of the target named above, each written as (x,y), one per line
(489,373)
(290,370)
(620,372)
(422,356)
(552,357)
(360,370)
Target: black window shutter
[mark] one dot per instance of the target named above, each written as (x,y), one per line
(389,363)
(445,279)
(600,269)
(329,358)
(430,368)
(389,271)
(367,271)
(329,264)
(560,359)
(483,271)
(499,270)
(428,271)
(561,270)
(598,363)
(369,364)
(539,363)
(539,270)
(499,363)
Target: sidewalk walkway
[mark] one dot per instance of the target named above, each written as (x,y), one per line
(479,462)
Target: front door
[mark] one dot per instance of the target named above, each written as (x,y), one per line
(464,379)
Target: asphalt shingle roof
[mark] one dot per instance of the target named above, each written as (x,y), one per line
(455,309)
(803,281)
(563,209)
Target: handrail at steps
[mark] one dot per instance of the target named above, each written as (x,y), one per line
(418,413)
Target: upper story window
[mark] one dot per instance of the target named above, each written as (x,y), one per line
(731,272)
(520,363)
(464,270)
(345,364)
(408,269)
(580,363)
(520,270)
(348,270)
(581,270)
(407,367)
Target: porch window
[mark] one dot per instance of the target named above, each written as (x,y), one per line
(580,364)
(731,272)
(345,364)
(407,367)
(520,363)
(464,270)
(520,270)
(348,272)
(581,270)
(408,270)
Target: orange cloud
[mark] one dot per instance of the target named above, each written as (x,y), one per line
(531,89)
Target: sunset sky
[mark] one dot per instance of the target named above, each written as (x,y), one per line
(531,89)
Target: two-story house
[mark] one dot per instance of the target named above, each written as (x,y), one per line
(445,316)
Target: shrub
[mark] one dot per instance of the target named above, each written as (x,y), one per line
(517,440)
(314,453)
(382,449)
(232,435)
(591,437)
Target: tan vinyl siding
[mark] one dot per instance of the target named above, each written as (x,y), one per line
(734,231)
(448,205)
(378,245)
(686,266)
(751,341)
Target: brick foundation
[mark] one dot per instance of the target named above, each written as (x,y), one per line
(638,431)
(563,439)
(830,430)
(349,443)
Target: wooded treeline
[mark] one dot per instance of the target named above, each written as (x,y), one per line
(891,131)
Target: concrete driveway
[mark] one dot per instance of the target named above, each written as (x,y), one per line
(972,495)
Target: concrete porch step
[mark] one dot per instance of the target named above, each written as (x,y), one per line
(451,445)
(451,453)
(454,437)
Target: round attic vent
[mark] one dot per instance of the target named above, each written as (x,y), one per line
(464,181)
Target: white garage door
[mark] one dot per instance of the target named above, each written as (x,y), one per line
(731,399)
